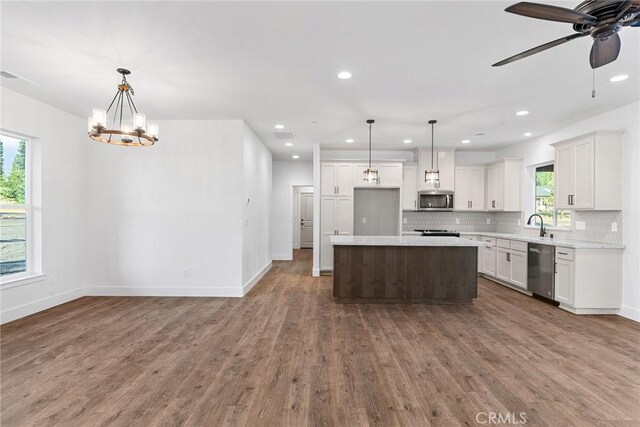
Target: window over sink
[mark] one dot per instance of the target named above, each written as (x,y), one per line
(544,197)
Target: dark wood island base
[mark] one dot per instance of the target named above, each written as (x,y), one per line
(405,274)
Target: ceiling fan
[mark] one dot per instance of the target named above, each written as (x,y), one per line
(600,19)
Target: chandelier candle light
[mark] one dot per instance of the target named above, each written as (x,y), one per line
(133,131)
(371,175)
(432,175)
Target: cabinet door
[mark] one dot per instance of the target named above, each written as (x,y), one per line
(489,260)
(564,176)
(344,215)
(344,179)
(327,229)
(584,175)
(446,166)
(503,264)
(519,269)
(564,281)
(409,190)
(476,188)
(462,196)
(327,180)
(499,185)
(492,182)
(390,175)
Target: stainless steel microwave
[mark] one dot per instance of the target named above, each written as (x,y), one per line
(435,200)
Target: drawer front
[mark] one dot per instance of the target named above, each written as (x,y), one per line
(490,240)
(504,243)
(564,253)
(516,245)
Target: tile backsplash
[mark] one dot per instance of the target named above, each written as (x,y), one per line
(597,224)
(458,221)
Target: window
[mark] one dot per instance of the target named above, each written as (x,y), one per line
(14,206)
(544,199)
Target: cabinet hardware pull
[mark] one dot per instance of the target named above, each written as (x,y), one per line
(569,199)
(508,257)
(563,253)
(471,203)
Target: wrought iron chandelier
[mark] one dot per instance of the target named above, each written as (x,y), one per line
(131,130)
(371,175)
(432,175)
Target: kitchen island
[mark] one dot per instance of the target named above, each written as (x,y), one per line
(404,269)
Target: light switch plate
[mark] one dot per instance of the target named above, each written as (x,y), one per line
(581,225)
(614,227)
(364,219)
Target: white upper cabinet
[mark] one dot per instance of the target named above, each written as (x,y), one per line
(503,185)
(410,187)
(469,188)
(444,161)
(588,172)
(336,179)
(390,175)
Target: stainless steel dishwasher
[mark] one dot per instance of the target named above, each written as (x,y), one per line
(541,260)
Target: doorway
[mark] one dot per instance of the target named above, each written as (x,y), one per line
(302,217)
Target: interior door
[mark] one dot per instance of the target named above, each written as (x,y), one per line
(306,220)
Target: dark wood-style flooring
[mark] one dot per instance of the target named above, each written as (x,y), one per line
(286,354)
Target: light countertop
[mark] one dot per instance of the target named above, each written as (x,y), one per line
(402,241)
(576,244)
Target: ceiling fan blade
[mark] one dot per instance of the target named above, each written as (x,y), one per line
(604,51)
(540,48)
(550,13)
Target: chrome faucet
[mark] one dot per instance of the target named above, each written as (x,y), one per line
(543,231)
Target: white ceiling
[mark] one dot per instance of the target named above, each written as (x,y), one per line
(276,62)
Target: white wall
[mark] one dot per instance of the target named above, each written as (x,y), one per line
(167,219)
(256,244)
(286,175)
(59,142)
(626,118)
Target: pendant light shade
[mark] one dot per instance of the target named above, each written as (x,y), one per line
(371,174)
(432,175)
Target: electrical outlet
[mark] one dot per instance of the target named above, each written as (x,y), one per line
(457,220)
(581,225)
(614,227)
(364,219)
(404,220)
(488,220)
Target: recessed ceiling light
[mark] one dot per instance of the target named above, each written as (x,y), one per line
(295,156)
(522,113)
(348,141)
(344,75)
(289,144)
(466,141)
(619,78)
(279,126)
(407,141)
(528,134)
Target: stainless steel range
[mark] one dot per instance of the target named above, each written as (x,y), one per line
(438,233)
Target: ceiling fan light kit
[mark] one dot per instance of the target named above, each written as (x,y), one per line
(602,20)
(134,133)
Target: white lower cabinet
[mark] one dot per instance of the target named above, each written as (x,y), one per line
(510,262)
(489,257)
(336,218)
(564,281)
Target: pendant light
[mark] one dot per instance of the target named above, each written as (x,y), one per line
(133,131)
(371,175)
(432,175)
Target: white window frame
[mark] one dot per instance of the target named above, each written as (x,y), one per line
(33,243)
(555,225)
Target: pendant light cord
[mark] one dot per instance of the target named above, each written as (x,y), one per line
(431,146)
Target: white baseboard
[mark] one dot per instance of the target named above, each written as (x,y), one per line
(296,246)
(589,310)
(40,305)
(630,313)
(247,287)
(315,272)
(282,257)
(162,291)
